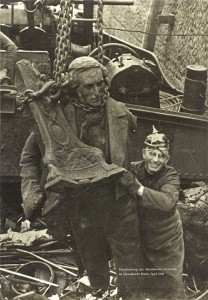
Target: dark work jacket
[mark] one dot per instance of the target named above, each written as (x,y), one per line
(121,131)
(162,233)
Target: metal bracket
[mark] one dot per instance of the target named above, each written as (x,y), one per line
(166,19)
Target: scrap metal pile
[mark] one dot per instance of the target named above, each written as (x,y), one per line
(194,214)
(35,266)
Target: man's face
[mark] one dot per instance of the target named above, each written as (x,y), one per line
(154,159)
(92,87)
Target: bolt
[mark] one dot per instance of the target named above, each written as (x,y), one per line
(122,90)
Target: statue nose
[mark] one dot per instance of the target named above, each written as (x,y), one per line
(96,90)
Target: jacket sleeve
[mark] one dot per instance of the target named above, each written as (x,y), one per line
(32,191)
(166,197)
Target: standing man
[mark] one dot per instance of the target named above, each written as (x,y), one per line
(161,227)
(104,217)
(11,50)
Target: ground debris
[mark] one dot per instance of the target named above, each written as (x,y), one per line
(194,215)
(24,238)
(55,262)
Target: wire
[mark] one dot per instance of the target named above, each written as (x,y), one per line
(152,33)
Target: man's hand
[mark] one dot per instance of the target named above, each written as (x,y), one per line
(128,180)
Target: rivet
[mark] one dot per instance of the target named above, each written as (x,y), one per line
(123,90)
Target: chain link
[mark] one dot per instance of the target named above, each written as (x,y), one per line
(100,30)
(63,53)
(31,11)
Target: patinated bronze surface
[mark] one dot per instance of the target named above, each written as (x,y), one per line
(70,162)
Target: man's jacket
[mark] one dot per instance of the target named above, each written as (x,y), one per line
(161,225)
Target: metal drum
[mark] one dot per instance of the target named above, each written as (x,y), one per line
(195,90)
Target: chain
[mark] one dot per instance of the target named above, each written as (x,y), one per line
(31,11)
(100,30)
(88,108)
(63,53)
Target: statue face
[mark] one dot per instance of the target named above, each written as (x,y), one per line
(154,159)
(92,87)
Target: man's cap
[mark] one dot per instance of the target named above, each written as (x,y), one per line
(157,140)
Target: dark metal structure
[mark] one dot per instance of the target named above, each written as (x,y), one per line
(135,75)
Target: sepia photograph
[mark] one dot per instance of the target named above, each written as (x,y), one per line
(104,149)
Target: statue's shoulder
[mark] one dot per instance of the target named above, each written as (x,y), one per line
(120,110)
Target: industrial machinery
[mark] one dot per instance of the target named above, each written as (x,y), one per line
(135,75)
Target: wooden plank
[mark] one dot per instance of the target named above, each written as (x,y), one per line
(152,25)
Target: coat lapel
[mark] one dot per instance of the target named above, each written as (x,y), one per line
(118,130)
(69,112)
(117,126)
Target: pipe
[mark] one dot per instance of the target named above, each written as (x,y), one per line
(28,277)
(48,262)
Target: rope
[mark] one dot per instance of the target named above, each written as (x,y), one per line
(100,30)
(63,53)
(153,33)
